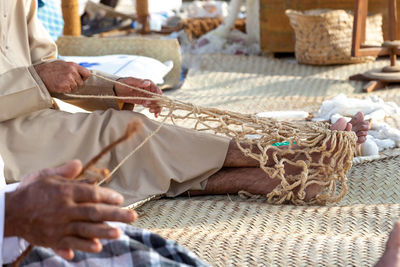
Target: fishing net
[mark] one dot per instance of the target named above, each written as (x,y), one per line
(312,154)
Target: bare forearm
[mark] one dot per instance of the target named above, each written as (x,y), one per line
(237,159)
(233,180)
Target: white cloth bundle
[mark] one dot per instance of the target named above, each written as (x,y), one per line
(381,136)
(227,41)
(126,66)
(207,9)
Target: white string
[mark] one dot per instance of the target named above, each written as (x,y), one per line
(134,151)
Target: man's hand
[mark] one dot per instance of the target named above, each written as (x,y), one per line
(49,209)
(147,85)
(62,77)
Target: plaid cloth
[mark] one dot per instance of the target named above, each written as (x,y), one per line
(136,247)
(49,13)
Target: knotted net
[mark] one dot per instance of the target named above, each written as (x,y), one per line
(314,157)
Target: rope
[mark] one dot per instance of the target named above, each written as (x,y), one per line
(107,178)
(315,155)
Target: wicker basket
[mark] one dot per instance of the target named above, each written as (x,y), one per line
(324,37)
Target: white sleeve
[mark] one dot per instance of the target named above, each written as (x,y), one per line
(10,247)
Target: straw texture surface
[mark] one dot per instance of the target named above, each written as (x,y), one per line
(374,182)
(230,231)
(256,84)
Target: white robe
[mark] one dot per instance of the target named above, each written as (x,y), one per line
(11,247)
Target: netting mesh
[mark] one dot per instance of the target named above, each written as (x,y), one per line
(315,156)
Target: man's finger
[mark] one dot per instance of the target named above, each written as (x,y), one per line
(146,83)
(92,230)
(85,245)
(85,193)
(362,133)
(155,108)
(365,126)
(102,213)
(69,170)
(155,89)
(67,254)
(158,111)
(78,78)
(154,105)
(73,86)
(136,82)
(361,139)
(84,72)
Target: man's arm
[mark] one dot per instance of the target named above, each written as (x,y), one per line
(42,47)
(22,92)
(8,254)
(91,85)
(53,73)
(70,77)
(62,77)
(49,209)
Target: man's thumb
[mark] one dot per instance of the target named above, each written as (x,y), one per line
(69,170)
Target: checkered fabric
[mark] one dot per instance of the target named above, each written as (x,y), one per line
(136,247)
(49,13)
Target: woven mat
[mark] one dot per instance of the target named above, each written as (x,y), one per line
(237,82)
(375,182)
(229,231)
(233,232)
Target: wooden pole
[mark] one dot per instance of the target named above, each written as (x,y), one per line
(359,28)
(392,20)
(142,10)
(393,29)
(72,20)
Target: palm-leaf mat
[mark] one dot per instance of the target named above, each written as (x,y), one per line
(230,231)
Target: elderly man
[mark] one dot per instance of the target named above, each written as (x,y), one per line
(34,135)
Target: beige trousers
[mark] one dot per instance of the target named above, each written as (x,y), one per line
(172,162)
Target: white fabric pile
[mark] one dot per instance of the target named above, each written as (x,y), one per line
(381,135)
(207,9)
(227,41)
